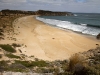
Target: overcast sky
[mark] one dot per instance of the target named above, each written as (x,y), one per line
(90,6)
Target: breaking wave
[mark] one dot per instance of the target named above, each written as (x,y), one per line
(83,28)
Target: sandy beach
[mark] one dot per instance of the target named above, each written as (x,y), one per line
(46,42)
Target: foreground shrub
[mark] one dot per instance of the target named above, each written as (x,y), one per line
(76,65)
(3,65)
(8,48)
(17,68)
(73,61)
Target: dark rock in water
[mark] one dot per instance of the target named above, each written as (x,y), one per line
(98,36)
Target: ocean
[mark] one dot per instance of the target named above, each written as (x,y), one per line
(85,23)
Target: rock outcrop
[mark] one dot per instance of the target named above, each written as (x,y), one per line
(98,36)
(51,13)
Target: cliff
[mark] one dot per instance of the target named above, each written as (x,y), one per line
(51,13)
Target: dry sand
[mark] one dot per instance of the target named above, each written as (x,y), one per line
(48,43)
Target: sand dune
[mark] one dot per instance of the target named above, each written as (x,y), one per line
(49,43)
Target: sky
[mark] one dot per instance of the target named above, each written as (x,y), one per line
(85,6)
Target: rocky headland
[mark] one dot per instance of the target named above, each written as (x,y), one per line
(52,13)
(39,12)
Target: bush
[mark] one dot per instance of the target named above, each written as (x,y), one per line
(32,63)
(24,63)
(3,65)
(12,56)
(40,63)
(17,68)
(16,45)
(76,65)
(73,61)
(8,48)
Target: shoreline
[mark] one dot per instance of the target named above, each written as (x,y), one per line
(93,37)
(46,42)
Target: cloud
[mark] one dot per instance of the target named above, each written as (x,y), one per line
(12,1)
(56,5)
(81,1)
(55,2)
(46,1)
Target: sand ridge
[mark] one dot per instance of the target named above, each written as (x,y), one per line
(49,43)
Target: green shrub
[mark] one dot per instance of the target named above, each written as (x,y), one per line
(3,65)
(24,63)
(40,63)
(8,48)
(16,45)
(12,56)
(32,63)
(17,68)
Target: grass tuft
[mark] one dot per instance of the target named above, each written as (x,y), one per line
(8,48)
(12,56)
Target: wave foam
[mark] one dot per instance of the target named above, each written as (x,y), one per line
(83,28)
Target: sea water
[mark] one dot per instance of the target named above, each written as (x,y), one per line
(86,23)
